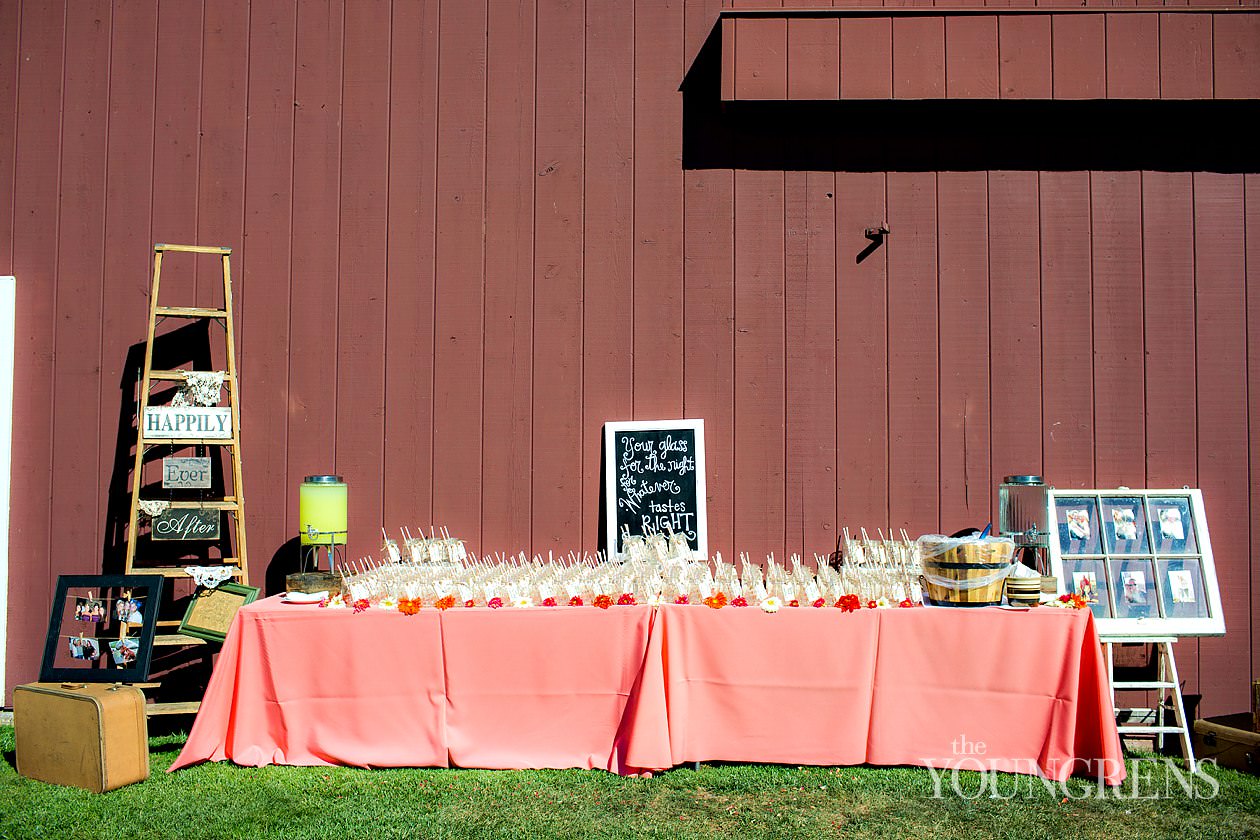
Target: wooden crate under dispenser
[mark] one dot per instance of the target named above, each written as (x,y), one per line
(313,582)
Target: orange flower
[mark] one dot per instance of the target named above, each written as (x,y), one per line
(445,603)
(409,606)
(716,602)
(603,601)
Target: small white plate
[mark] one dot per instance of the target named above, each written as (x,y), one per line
(303,597)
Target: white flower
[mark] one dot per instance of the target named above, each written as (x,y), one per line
(389,603)
(656,599)
(522,601)
(770,604)
(883,603)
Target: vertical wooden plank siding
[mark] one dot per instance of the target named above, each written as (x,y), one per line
(658,210)
(918,57)
(1236,51)
(1251,196)
(609,233)
(1221,373)
(176,147)
(35,190)
(314,302)
(810,255)
(1185,56)
(813,58)
(971,57)
(862,480)
(965,326)
(128,264)
(866,70)
(913,351)
(1079,48)
(1024,57)
(467,234)
(1119,341)
(263,287)
(459,307)
(80,255)
(9,25)
(1171,456)
(507,399)
(709,301)
(365,154)
(1133,56)
(761,58)
(558,266)
(759,352)
(1067,342)
(1015,343)
(410,268)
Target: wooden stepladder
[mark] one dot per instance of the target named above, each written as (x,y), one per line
(200,427)
(1168,694)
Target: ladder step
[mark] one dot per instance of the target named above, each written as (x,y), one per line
(192,249)
(189,312)
(186,708)
(169,639)
(1142,685)
(216,504)
(152,441)
(178,375)
(1148,730)
(178,571)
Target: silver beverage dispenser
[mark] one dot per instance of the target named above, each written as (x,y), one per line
(1024,516)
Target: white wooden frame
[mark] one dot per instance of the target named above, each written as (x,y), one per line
(1212,625)
(610,477)
(8,329)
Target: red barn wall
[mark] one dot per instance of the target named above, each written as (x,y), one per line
(467,234)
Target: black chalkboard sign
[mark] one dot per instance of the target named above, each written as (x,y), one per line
(654,481)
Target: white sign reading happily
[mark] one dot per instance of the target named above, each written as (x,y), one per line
(172,422)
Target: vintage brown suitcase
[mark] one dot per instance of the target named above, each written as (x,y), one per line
(1230,741)
(92,735)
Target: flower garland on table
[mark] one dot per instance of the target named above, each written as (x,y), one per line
(1070,601)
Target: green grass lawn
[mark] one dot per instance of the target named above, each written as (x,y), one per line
(733,801)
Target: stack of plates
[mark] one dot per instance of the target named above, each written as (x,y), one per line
(1023,591)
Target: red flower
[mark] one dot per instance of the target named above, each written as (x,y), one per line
(849,603)
(494,603)
(549,602)
(906,603)
(576,601)
(870,605)
(603,601)
(794,603)
(361,605)
(682,599)
(819,603)
(445,603)
(626,600)
(470,603)
(740,601)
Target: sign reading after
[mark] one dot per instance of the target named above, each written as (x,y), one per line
(186,524)
(189,422)
(654,481)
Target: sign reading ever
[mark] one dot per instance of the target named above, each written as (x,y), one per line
(170,422)
(654,481)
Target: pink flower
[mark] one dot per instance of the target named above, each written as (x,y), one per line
(361,605)
(739,601)
(494,603)
(682,599)
(819,603)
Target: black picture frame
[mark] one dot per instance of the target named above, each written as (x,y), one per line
(210,611)
(59,666)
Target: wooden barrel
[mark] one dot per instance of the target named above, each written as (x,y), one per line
(965,572)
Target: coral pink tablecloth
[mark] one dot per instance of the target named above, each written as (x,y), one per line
(634,688)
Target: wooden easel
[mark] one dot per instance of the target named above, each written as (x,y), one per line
(1167,686)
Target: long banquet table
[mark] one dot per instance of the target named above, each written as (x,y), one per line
(636,688)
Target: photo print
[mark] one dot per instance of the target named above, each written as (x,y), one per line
(1085,584)
(124,652)
(1125,519)
(1173,524)
(1181,586)
(1183,594)
(82,647)
(1170,525)
(1126,524)
(1077,521)
(1133,587)
(89,609)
